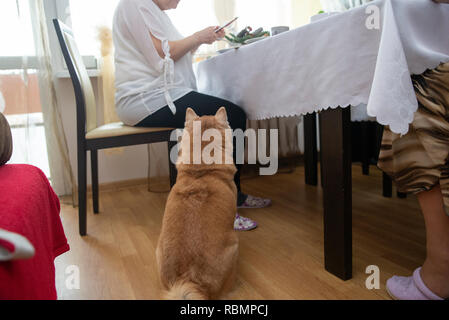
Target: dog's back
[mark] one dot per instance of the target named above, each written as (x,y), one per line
(198,247)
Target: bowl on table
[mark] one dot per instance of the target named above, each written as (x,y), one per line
(278,30)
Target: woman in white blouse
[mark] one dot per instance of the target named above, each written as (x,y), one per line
(155,81)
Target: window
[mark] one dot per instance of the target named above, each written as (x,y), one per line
(15,15)
(19,89)
(86,17)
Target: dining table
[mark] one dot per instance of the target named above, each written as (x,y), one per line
(359,58)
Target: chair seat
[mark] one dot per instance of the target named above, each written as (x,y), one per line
(118,129)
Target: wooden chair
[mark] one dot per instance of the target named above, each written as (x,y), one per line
(89,136)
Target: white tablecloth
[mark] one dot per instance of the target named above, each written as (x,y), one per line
(336,61)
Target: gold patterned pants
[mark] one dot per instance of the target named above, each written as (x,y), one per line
(419,160)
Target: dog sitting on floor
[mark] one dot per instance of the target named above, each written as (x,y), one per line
(198,248)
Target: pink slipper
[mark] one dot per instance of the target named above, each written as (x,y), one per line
(252,202)
(410,288)
(244,224)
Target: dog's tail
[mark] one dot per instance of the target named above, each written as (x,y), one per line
(184,290)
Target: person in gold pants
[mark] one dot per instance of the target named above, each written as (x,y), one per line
(418,162)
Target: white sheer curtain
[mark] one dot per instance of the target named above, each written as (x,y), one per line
(60,168)
(19,92)
(28,94)
(224,11)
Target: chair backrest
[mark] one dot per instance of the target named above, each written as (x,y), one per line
(86,109)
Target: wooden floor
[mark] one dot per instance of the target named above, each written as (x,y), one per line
(282,259)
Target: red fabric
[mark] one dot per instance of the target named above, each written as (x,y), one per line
(29,206)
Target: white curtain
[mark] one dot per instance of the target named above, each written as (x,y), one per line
(58,153)
(29,98)
(19,92)
(225,12)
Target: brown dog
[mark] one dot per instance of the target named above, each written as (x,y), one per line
(198,248)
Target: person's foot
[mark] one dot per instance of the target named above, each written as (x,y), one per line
(252,202)
(410,288)
(244,224)
(435,274)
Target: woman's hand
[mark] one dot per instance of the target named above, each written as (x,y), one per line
(220,34)
(179,48)
(208,35)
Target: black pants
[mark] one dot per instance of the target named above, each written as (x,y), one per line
(203,105)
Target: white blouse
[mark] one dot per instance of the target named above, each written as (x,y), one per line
(144,81)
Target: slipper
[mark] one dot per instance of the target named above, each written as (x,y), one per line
(252,202)
(244,224)
(410,288)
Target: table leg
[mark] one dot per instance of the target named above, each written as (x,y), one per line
(321,155)
(402,195)
(337,191)
(310,150)
(365,151)
(387,186)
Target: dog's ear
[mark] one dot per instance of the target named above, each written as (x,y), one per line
(190,115)
(222,115)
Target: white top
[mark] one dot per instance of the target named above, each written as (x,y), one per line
(361,56)
(144,81)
